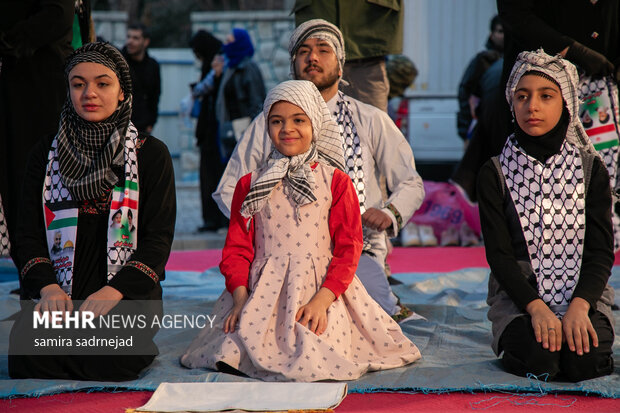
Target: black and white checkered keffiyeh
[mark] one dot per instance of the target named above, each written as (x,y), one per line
(295,171)
(550,202)
(352,149)
(5,244)
(565,75)
(550,198)
(88,150)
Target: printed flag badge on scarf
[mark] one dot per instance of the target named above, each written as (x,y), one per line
(60,219)
(127,197)
(598,112)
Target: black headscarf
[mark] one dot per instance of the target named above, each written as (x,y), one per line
(87,151)
(206,46)
(544,146)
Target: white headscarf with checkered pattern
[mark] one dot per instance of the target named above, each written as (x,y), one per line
(296,170)
(565,75)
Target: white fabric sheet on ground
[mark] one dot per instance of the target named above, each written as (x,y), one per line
(254,397)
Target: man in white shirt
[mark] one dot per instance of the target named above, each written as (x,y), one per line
(373,147)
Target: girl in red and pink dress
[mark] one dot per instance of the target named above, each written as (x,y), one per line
(293,309)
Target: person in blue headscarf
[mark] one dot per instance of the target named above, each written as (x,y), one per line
(241,89)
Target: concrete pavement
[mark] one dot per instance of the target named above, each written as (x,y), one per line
(189,219)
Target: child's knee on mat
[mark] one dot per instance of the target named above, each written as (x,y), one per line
(537,362)
(588,366)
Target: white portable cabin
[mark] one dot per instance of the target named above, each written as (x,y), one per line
(441,37)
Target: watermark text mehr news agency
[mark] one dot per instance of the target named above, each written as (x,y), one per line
(86,319)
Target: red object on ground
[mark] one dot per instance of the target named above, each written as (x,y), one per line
(466,402)
(77,402)
(413,259)
(435,259)
(194,260)
(358,403)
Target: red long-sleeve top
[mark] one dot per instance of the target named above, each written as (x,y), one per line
(345,228)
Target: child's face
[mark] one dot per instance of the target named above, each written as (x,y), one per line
(537,104)
(290,128)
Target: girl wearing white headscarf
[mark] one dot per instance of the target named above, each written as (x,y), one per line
(546,220)
(293,308)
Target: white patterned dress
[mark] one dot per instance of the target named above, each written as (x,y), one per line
(290,264)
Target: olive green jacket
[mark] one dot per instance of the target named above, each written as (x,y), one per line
(370,28)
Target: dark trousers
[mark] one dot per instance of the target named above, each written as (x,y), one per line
(211,170)
(75,367)
(81,363)
(523,355)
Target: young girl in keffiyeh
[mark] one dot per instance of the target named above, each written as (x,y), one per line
(546,220)
(84,186)
(293,308)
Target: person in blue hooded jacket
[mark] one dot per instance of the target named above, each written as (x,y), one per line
(241,89)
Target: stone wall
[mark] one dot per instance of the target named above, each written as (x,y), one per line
(270,32)
(111,26)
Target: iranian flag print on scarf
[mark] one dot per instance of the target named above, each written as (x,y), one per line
(600,116)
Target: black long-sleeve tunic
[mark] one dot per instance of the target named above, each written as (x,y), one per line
(156,219)
(156,212)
